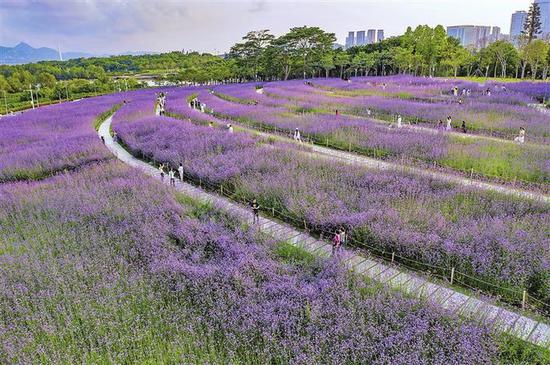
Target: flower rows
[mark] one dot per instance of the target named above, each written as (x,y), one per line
(500,239)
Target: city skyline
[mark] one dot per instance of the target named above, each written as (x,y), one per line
(109,27)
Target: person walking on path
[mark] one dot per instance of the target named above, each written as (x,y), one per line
(115,137)
(521,137)
(255,211)
(336,242)
(449,123)
(343,237)
(161,170)
(180,171)
(297,136)
(463,127)
(171,175)
(103,139)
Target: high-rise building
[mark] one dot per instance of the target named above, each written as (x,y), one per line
(360,40)
(350,40)
(371,36)
(495,35)
(472,36)
(380,35)
(544,6)
(516,26)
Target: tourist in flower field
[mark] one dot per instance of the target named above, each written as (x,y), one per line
(463,127)
(161,169)
(103,139)
(336,111)
(211,124)
(171,175)
(180,171)
(439,124)
(521,137)
(255,211)
(399,121)
(343,237)
(115,137)
(369,112)
(336,242)
(297,136)
(449,123)
(230,128)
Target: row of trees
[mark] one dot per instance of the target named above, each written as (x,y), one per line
(308,51)
(300,53)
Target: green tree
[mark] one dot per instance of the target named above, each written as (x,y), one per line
(403,59)
(249,53)
(504,54)
(341,60)
(536,54)
(4,85)
(308,44)
(327,62)
(46,79)
(365,61)
(531,28)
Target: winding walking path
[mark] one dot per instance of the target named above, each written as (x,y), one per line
(499,318)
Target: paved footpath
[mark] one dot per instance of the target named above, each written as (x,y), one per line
(501,319)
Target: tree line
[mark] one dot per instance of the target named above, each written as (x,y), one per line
(300,53)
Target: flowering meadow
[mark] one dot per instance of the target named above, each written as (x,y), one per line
(101,264)
(52,138)
(498,238)
(313,113)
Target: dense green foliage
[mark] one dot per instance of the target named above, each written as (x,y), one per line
(300,53)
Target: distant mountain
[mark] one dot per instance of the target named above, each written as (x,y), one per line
(23,53)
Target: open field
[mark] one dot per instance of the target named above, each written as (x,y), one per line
(101,264)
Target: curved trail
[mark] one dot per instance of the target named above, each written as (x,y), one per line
(501,319)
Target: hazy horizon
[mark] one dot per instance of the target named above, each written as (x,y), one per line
(101,27)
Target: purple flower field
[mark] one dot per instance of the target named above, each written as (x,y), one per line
(500,239)
(52,138)
(102,264)
(490,159)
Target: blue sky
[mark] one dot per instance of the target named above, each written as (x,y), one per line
(100,26)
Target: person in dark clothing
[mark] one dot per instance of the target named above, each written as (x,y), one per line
(255,211)
(103,139)
(463,127)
